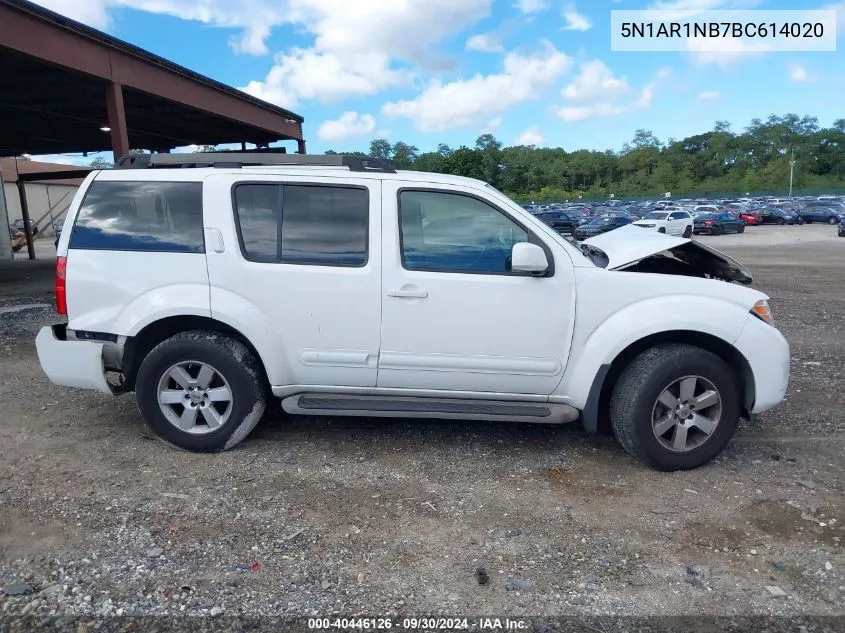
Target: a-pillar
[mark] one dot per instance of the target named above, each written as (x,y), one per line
(117,120)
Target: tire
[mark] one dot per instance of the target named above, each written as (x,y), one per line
(236,369)
(661,230)
(634,402)
(741,229)
(781,221)
(688,232)
(833,220)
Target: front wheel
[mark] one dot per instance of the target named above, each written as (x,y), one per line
(688,232)
(675,407)
(741,229)
(201,391)
(661,230)
(833,220)
(781,221)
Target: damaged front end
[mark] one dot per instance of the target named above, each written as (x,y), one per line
(634,249)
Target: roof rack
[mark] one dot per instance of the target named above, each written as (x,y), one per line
(238,159)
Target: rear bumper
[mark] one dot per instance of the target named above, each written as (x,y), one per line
(767,351)
(76,364)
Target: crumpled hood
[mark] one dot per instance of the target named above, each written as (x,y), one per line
(628,245)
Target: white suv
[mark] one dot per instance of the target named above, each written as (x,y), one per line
(669,221)
(344,287)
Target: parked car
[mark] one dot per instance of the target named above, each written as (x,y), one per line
(773,215)
(600,225)
(19,225)
(58,225)
(18,238)
(828,212)
(561,221)
(370,292)
(751,218)
(718,224)
(673,223)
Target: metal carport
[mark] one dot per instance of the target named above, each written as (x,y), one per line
(65,87)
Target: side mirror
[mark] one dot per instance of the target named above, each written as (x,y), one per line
(528,258)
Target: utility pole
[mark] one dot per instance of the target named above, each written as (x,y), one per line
(791,172)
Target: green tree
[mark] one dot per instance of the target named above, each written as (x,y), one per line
(380,148)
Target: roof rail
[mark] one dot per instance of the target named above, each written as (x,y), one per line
(237,159)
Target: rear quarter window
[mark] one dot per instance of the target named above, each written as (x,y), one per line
(140,216)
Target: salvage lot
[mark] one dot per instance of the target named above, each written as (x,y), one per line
(314,516)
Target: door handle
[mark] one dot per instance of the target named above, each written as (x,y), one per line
(214,239)
(408,293)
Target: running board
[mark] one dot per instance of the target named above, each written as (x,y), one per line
(439,408)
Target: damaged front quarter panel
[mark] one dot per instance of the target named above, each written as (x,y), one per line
(634,249)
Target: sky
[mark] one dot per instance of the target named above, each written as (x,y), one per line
(532,72)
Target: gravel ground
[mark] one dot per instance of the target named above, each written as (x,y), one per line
(321,516)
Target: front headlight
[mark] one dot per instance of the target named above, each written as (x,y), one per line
(762,311)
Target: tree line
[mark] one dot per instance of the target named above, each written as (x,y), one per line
(719,161)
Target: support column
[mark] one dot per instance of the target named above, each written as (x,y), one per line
(300,144)
(30,245)
(117,120)
(5,239)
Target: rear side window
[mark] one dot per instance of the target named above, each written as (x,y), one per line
(141,216)
(679,215)
(303,224)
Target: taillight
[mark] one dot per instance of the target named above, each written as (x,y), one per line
(709,222)
(61,285)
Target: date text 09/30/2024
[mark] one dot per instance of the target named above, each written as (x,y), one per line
(418,624)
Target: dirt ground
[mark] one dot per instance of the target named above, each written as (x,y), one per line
(320,516)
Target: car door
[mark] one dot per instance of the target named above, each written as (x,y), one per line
(294,264)
(454,317)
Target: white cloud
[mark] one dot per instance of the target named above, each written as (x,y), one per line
(709,95)
(338,26)
(722,52)
(252,41)
(349,125)
(677,9)
(357,44)
(595,81)
(492,125)
(529,7)
(575,21)
(839,7)
(484,43)
(308,74)
(600,107)
(799,74)
(573,114)
(459,103)
(383,134)
(531,136)
(93,13)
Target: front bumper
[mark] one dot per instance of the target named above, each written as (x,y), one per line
(767,352)
(71,363)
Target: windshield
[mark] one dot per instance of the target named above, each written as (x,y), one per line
(656,216)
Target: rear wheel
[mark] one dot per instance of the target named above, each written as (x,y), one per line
(688,232)
(675,407)
(741,229)
(201,391)
(781,221)
(833,220)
